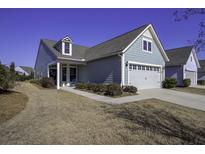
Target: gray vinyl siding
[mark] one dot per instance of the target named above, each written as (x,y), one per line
(82,73)
(105,70)
(175,72)
(44,57)
(135,53)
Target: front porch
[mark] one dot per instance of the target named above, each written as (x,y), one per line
(63,73)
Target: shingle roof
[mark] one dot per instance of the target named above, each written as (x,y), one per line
(27,69)
(202,65)
(178,56)
(113,45)
(108,47)
(78,51)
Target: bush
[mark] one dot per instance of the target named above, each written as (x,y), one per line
(81,86)
(130,89)
(201,82)
(113,90)
(99,88)
(35,81)
(7,77)
(169,83)
(47,82)
(187,82)
(90,86)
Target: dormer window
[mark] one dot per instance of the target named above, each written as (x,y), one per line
(67,46)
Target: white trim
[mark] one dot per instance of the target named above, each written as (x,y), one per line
(58,75)
(145,64)
(70,49)
(122,69)
(152,31)
(147,40)
(71,59)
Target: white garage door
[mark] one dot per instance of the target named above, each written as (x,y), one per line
(191,75)
(144,77)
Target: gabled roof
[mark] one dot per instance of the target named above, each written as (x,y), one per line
(78,51)
(110,47)
(113,45)
(202,64)
(27,69)
(178,56)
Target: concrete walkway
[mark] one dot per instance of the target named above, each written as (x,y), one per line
(198,86)
(176,97)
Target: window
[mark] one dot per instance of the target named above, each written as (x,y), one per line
(64,76)
(147,68)
(67,48)
(147,45)
(134,67)
(130,66)
(143,67)
(191,59)
(150,68)
(144,45)
(139,67)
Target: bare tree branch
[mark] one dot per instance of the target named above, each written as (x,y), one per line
(185,14)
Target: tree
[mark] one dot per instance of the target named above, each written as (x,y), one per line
(185,14)
(6,78)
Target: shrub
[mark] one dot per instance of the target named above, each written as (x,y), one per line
(47,82)
(35,81)
(169,83)
(99,88)
(187,82)
(201,82)
(113,90)
(7,77)
(90,86)
(23,77)
(81,86)
(130,89)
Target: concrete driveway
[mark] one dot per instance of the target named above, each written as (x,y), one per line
(176,97)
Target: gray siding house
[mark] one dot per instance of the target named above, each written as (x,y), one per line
(201,70)
(134,58)
(24,70)
(183,64)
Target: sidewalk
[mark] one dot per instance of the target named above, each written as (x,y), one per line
(106,99)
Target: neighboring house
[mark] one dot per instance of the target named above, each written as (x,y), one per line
(201,70)
(183,64)
(135,58)
(21,70)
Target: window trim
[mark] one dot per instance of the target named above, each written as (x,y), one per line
(147,40)
(70,49)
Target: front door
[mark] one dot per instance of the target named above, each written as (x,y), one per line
(73,75)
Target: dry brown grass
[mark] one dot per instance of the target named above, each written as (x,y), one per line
(58,117)
(157,122)
(11,103)
(190,90)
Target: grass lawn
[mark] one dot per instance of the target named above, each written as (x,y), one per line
(192,90)
(11,103)
(59,117)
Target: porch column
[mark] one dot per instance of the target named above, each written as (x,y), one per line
(58,75)
(48,71)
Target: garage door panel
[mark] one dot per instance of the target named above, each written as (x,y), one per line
(145,79)
(191,75)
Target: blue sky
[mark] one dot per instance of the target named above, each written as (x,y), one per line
(22,29)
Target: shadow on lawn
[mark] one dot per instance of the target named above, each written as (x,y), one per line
(160,121)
